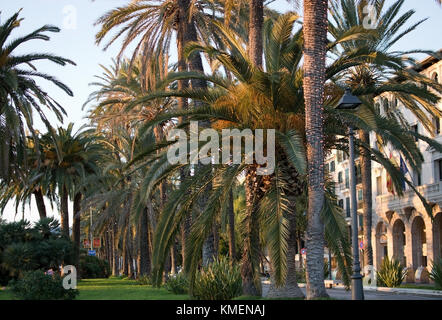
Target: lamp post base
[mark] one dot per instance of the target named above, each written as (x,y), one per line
(357,288)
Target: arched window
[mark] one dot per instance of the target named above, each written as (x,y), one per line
(435,77)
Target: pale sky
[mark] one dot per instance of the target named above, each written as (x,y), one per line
(76,41)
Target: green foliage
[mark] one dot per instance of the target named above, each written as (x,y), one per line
(25,248)
(391,274)
(218,281)
(177,284)
(326,271)
(144,280)
(300,275)
(36,285)
(436,273)
(93,267)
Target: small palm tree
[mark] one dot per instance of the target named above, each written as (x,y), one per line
(20,92)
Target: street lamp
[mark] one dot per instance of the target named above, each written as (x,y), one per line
(351,102)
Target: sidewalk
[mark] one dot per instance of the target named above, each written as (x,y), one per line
(403,291)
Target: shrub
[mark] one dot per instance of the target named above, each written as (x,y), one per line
(177,284)
(36,285)
(25,248)
(391,273)
(92,267)
(300,275)
(436,273)
(144,280)
(219,281)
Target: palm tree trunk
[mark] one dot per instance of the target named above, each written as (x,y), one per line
(251,249)
(38,194)
(130,253)
(290,289)
(315,41)
(64,214)
(367,205)
(182,105)
(116,254)
(299,249)
(143,245)
(256,19)
(173,269)
(250,254)
(209,249)
(76,230)
(231,217)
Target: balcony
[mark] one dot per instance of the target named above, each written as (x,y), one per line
(431,192)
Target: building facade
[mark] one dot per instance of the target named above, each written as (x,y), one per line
(402,229)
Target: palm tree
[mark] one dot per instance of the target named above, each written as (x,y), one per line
(20,92)
(119,86)
(386,73)
(70,158)
(315,47)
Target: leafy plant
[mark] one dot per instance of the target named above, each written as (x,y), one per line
(300,275)
(436,273)
(93,267)
(144,280)
(36,285)
(25,248)
(218,281)
(391,273)
(177,284)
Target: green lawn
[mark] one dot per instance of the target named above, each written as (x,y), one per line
(114,289)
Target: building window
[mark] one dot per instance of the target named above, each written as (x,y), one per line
(341,203)
(340,180)
(415,128)
(339,156)
(379,185)
(347,178)
(417,179)
(332,166)
(347,206)
(360,195)
(358,172)
(437,121)
(440,169)
(435,77)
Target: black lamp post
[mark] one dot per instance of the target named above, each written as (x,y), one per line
(351,102)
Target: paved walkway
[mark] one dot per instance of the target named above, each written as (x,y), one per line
(342,294)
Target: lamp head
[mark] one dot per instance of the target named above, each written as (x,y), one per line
(348,101)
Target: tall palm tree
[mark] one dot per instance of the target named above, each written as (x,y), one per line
(315,47)
(69,159)
(20,92)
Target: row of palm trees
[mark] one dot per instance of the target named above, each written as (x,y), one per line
(267,71)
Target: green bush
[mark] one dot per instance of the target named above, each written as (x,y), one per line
(25,248)
(300,275)
(177,284)
(144,280)
(219,281)
(36,285)
(436,273)
(92,267)
(391,273)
